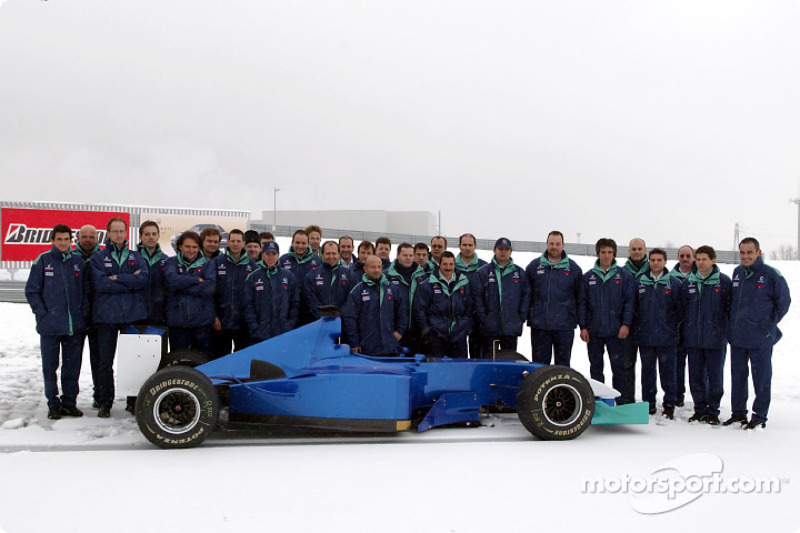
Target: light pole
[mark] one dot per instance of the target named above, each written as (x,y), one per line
(797,201)
(274,208)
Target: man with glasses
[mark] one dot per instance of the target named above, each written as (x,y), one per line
(119,277)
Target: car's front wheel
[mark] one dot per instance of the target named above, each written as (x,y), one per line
(177,407)
(555,403)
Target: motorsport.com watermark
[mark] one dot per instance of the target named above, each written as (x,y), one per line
(680,482)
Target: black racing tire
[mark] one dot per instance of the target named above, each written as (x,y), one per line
(177,407)
(555,403)
(184,357)
(509,355)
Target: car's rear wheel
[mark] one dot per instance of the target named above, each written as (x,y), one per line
(555,403)
(177,407)
(185,357)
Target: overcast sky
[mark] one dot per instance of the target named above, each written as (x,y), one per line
(669,120)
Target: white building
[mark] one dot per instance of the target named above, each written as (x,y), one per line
(384,222)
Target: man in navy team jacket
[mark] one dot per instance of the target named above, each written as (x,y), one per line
(759,300)
(233,266)
(119,277)
(272,297)
(605,314)
(555,282)
(329,284)
(706,295)
(57,295)
(502,299)
(659,312)
(374,317)
(443,309)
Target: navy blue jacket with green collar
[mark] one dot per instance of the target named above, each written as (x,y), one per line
(57,293)
(122,300)
(759,300)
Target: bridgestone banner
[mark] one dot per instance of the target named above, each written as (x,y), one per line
(26,233)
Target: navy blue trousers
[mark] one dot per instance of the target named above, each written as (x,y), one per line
(222,340)
(440,347)
(706,369)
(614,346)
(195,338)
(665,357)
(629,369)
(546,342)
(680,371)
(94,355)
(69,350)
(107,335)
(760,360)
(474,342)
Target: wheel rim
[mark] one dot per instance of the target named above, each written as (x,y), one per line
(562,405)
(176,410)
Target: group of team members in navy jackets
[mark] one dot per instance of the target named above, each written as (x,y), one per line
(691,312)
(431,302)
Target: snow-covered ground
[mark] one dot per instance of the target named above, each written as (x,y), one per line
(92,474)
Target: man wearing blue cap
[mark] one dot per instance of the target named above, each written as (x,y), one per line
(271,298)
(502,300)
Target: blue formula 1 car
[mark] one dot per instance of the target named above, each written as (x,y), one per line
(305,378)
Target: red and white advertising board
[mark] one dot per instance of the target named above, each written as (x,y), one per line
(26,232)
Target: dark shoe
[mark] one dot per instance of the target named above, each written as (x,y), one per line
(70,410)
(713,420)
(54,413)
(735,418)
(131,409)
(104,412)
(753,424)
(669,411)
(652,410)
(699,417)
(679,403)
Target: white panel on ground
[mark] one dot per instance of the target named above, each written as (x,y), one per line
(137,359)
